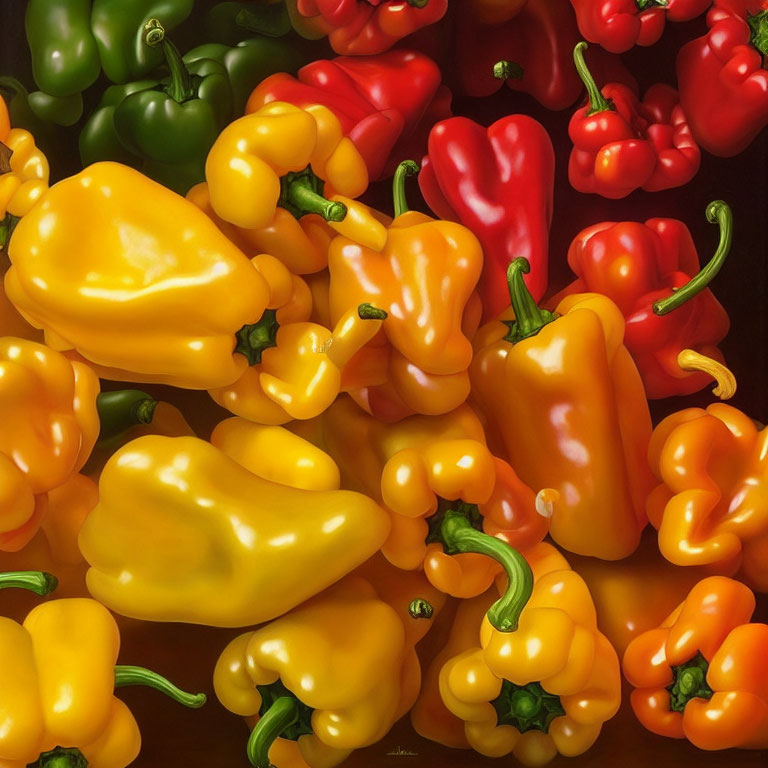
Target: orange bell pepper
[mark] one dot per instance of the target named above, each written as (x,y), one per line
(568,405)
(708,508)
(703,674)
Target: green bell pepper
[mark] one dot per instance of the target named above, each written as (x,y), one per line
(232,22)
(178,120)
(117,27)
(16,96)
(65,59)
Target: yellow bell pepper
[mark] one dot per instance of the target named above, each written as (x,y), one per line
(144,287)
(184,533)
(50,424)
(284,156)
(330,676)
(57,699)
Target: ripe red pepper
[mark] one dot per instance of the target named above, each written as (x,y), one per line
(386,104)
(538,42)
(646,270)
(498,182)
(622,144)
(722,77)
(618,25)
(362,27)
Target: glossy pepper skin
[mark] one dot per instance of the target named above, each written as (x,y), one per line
(201,547)
(702,674)
(568,406)
(50,425)
(103,301)
(57,696)
(360,28)
(643,268)
(618,25)
(342,683)
(621,143)
(722,80)
(498,182)
(545,687)
(387,122)
(711,468)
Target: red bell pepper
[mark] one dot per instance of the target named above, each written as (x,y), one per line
(386,104)
(622,144)
(722,77)
(498,182)
(618,25)
(538,42)
(645,269)
(363,27)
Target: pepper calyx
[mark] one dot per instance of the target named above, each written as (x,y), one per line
(301,193)
(60,757)
(644,5)
(758,27)
(254,338)
(527,707)
(690,683)
(508,70)
(419,608)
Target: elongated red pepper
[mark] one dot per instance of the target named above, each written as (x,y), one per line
(722,77)
(498,182)
(647,269)
(622,143)
(362,27)
(386,104)
(618,25)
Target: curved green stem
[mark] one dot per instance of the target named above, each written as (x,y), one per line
(404,170)
(39,582)
(420,609)
(60,757)
(122,409)
(130,675)
(718,212)
(458,535)
(282,714)
(254,338)
(597,102)
(180,86)
(308,201)
(508,70)
(529,317)
(368,312)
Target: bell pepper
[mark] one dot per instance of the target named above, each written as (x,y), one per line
(710,464)
(57,698)
(562,394)
(330,676)
(622,144)
(528,53)
(618,25)
(49,427)
(498,182)
(360,28)
(722,78)
(547,683)
(386,121)
(132,316)
(701,675)
(16,97)
(205,563)
(651,271)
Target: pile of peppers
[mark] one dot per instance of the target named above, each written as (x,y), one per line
(399,395)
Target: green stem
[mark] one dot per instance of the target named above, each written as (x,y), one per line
(417,3)
(180,86)
(690,683)
(404,170)
(254,338)
(39,582)
(758,25)
(122,409)
(718,213)
(60,757)
(597,102)
(527,707)
(529,317)
(282,714)
(420,609)
(508,70)
(130,675)
(458,535)
(307,200)
(369,312)
(644,5)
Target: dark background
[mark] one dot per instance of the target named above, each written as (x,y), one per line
(174,736)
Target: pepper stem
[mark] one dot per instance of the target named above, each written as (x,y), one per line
(420,609)
(457,535)
(302,193)
(281,715)
(718,213)
(254,338)
(129,675)
(120,410)
(597,102)
(404,170)
(758,25)
(644,5)
(690,683)
(60,757)
(418,3)
(39,582)
(508,70)
(368,312)
(180,86)
(529,317)
(691,360)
